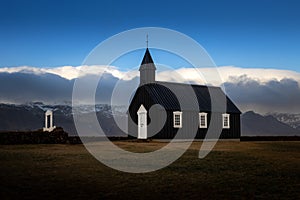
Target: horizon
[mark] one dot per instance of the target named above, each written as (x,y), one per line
(251,50)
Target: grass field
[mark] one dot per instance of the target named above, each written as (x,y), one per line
(233,170)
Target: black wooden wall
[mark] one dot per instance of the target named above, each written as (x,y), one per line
(190,121)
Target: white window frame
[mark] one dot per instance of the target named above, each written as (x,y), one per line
(205,120)
(177,113)
(224,116)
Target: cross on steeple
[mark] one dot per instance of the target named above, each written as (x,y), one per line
(147,40)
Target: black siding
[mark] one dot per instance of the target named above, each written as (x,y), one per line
(190,120)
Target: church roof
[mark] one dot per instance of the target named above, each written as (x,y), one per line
(147,61)
(161,93)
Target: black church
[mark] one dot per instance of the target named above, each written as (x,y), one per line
(165,110)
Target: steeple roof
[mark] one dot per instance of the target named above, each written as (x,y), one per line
(147,62)
(147,58)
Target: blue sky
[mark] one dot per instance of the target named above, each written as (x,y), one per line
(260,34)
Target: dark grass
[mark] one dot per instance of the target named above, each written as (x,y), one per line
(233,170)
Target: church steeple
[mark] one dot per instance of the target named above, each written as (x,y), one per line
(147,58)
(147,69)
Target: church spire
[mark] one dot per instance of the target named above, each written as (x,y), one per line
(147,69)
(147,58)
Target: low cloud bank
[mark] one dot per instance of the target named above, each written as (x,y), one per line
(262,90)
(272,96)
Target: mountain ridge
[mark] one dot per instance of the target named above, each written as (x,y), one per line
(30,116)
(254,124)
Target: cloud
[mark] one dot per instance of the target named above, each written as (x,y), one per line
(226,74)
(72,72)
(22,69)
(195,75)
(259,74)
(25,87)
(261,90)
(271,96)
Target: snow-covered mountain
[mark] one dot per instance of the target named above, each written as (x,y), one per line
(254,124)
(291,119)
(30,116)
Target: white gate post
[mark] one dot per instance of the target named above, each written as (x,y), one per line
(46,120)
(51,119)
(50,127)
